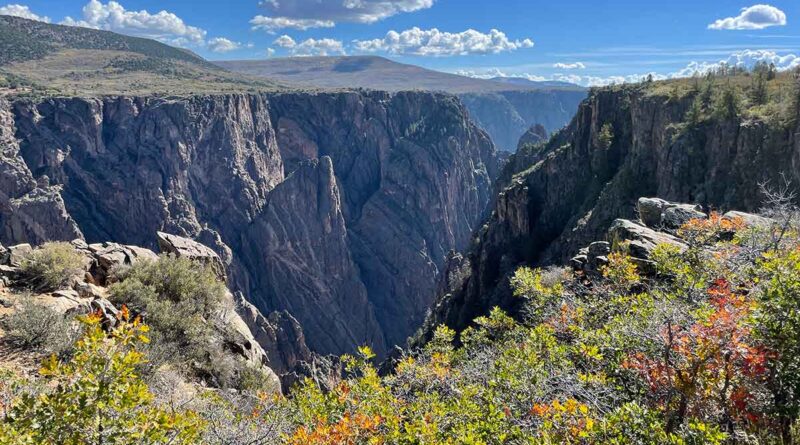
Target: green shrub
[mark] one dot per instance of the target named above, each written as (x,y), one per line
(52,266)
(181,301)
(96,397)
(37,327)
(606,136)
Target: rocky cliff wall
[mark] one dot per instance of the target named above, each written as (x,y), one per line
(566,194)
(338,208)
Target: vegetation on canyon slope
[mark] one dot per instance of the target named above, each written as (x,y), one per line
(704,349)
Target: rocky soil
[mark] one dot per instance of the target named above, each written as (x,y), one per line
(89,293)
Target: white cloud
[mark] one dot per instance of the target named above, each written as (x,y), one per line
(570,66)
(163,25)
(744,59)
(22,11)
(753,17)
(305,14)
(270,52)
(310,47)
(432,42)
(223,45)
(271,24)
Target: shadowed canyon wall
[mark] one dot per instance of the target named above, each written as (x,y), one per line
(338,208)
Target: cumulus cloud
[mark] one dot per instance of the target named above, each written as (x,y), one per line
(743,59)
(223,45)
(163,25)
(310,47)
(570,66)
(432,42)
(491,73)
(271,24)
(22,11)
(305,14)
(753,17)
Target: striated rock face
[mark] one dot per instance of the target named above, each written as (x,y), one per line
(571,191)
(338,208)
(31,210)
(414,176)
(299,253)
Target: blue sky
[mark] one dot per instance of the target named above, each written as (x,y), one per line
(588,42)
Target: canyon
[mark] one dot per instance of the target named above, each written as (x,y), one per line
(338,208)
(625,142)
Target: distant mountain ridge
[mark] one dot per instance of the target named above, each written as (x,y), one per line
(42,58)
(22,40)
(522,81)
(372,72)
(505,107)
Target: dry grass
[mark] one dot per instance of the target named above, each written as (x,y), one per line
(97,72)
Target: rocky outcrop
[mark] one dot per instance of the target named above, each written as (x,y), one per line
(281,334)
(581,182)
(82,296)
(338,208)
(655,212)
(537,134)
(185,248)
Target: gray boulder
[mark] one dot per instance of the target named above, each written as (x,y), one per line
(187,248)
(18,253)
(658,213)
(109,256)
(640,240)
(749,219)
(5,255)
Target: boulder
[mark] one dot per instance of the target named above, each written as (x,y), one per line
(9,272)
(89,290)
(658,213)
(640,240)
(749,219)
(108,313)
(109,256)
(187,248)
(599,248)
(591,258)
(18,253)
(579,262)
(67,302)
(5,255)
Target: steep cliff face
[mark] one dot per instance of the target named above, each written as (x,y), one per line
(555,199)
(507,115)
(338,208)
(31,210)
(414,175)
(297,253)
